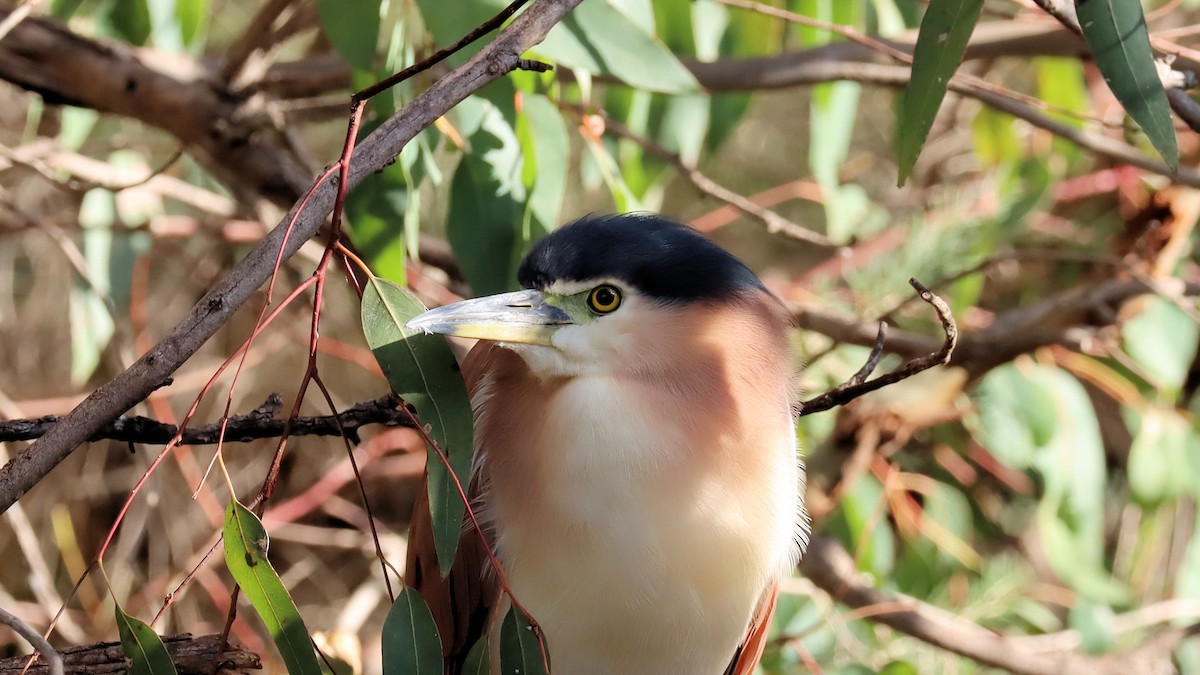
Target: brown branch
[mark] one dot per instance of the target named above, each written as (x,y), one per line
(819,71)
(1065,318)
(118,395)
(262,423)
(191,655)
(828,566)
(173,93)
(47,653)
(857,385)
(320,74)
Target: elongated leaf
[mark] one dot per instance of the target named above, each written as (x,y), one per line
(1159,467)
(478,661)
(246,546)
(411,645)
(1115,31)
(601,39)
(130,21)
(941,42)
(520,653)
(353,28)
(145,650)
(447,25)
(422,370)
(192,16)
(550,152)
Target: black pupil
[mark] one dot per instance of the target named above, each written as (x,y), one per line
(605,297)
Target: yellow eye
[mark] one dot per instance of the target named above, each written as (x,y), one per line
(604,299)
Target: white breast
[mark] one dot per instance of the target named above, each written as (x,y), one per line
(636,557)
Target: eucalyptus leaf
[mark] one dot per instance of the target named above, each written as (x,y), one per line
(520,651)
(411,645)
(423,371)
(1115,31)
(352,26)
(246,545)
(145,650)
(941,42)
(598,37)
(478,661)
(551,150)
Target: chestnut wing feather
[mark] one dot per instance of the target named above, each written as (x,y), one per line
(746,658)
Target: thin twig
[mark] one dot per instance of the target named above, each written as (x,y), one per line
(857,386)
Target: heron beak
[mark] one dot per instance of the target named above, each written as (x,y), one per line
(522,317)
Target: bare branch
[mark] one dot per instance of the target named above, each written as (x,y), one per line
(191,655)
(39,643)
(262,423)
(171,92)
(827,564)
(857,386)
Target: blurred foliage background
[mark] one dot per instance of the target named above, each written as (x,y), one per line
(1042,486)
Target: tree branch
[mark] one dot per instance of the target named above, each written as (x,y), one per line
(262,423)
(120,394)
(857,385)
(191,655)
(827,564)
(1065,318)
(53,660)
(173,93)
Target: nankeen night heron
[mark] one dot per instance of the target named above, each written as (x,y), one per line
(636,460)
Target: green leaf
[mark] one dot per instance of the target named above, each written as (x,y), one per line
(520,653)
(550,154)
(145,650)
(995,141)
(353,28)
(487,202)
(1162,339)
(899,668)
(448,25)
(1115,31)
(599,38)
(942,39)
(1159,466)
(411,645)
(1016,417)
(422,370)
(1094,623)
(478,661)
(88,314)
(1061,83)
(674,22)
(857,523)
(130,21)
(192,16)
(376,214)
(246,544)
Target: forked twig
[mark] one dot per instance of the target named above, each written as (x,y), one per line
(858,385)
